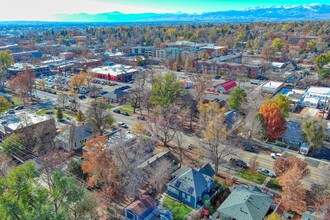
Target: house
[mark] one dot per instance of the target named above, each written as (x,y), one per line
(233,119)
(115,96)
(73,137)
(293,135)
(226,87)
(141,209)
(244,203)
(309,215)
(165,155)
(317,97)
(33,129)
(189,185)
(272,87)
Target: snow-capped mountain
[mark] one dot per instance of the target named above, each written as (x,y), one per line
(276,13)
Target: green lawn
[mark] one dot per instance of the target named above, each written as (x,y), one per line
(69,113)
(179,210)
(127,108)
(253,177)
(42,111)
(273,184)
(109,106)
(16,101)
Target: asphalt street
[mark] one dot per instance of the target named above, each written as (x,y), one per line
(316,176)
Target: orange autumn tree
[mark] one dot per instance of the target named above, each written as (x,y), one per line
(273,120)
(294,194)
(99,166)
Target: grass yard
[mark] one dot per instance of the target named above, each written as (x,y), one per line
(69,114)
(127,108)
(179,210)
(42,111)
(273,184)
(16,101)
(109,106)
(253,177)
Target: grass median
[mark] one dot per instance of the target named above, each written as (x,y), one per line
(252,176)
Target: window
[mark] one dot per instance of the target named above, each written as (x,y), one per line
(173,190)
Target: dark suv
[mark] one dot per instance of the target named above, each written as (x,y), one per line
(238,163)
(248,147)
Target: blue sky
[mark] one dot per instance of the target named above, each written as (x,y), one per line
(46,9)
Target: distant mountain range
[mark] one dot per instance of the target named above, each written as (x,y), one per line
(276,13)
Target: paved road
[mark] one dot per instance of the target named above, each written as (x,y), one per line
(265,160)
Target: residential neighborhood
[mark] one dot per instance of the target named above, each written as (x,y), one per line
(169,121)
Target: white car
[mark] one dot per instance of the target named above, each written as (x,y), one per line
(122,124)
(276,155)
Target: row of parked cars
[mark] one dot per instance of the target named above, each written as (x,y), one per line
(119,112)
(101,82)
(240,163)
(124,87)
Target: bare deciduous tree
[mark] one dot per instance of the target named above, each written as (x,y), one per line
(99,118)
(163,123)
(180,144)
(201,83)
(159,173)
(62,99)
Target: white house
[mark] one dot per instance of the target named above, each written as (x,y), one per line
(272,86)
(317,97)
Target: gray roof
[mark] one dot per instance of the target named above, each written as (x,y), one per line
(116,94)
(80,133)
(308,215)
(246,203)
(191,181)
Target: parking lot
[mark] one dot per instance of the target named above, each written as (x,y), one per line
(56,83)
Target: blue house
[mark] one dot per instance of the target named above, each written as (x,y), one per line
(141,209)
(189,185)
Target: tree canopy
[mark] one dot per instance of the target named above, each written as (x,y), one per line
(283,103)
(165,89)
(314,131)
(273,120)
(237,98)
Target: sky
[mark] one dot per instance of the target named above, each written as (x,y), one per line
(47,9)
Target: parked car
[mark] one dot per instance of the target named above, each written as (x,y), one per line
(248,147)
(48,112)
(116,111)
(11,112)
(266,172)
(125,113)
(82,97)
(141,117)
(217,77)
(122,124)
(238,162)
(20,107)
(275,155)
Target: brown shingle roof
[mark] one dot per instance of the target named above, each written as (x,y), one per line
(141,205)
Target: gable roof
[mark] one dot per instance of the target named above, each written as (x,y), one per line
(80,133)
(138,207)
(228,85)
(116,94)
(207,170)
(190,181)
(246,203)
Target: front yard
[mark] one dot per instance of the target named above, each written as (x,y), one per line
(179,210)
(16,101)
(127,108)
(273,184)
(253,177)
